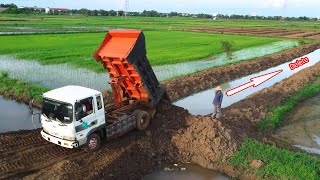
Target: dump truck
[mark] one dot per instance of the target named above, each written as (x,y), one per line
(75,116)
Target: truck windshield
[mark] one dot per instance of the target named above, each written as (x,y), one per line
(59,110)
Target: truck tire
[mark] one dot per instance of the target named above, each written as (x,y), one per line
(143,120)
(93,143)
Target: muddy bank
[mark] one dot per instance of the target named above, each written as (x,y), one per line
(239,120)
(176,136)
(201,103)
(184,86)
(302,127)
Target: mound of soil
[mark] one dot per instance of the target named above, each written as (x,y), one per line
(206,141)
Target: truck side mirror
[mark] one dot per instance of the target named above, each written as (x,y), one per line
(31,105)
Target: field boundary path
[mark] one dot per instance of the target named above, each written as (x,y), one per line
(274,32)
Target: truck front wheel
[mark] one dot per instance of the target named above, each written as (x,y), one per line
(143,120)
(93,143)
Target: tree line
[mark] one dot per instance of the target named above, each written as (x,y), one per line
(13,9)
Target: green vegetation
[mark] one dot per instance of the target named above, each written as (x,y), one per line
(20,89)
(227,47)
(164,23)
(279,163)
(164,47)
(275,118)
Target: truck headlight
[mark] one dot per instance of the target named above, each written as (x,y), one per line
(69,138)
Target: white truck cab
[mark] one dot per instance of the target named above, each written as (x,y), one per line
(75,116)
(70,114)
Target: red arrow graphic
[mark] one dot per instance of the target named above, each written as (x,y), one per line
(254,82)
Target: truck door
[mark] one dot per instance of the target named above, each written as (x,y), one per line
(88,120)
(100,116)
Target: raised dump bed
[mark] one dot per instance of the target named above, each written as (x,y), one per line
(123,55)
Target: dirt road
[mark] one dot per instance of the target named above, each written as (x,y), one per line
(261,31)
(175,135)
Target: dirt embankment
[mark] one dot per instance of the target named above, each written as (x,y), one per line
(197,142)
(174,136)
(185,86)
(260,31)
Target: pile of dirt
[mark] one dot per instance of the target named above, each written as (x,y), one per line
(206,141)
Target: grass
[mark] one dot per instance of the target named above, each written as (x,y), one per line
(277,113)
(163,23)
(279,163)
(163,47)
(20,89)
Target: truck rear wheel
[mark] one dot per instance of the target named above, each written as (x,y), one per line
(143,120)
(93,143)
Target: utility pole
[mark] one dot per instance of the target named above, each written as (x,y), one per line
(125,9)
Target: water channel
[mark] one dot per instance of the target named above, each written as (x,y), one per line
(201,103)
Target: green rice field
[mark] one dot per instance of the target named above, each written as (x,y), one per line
(164,23)
(163,47)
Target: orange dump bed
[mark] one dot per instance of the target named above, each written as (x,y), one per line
(123,55)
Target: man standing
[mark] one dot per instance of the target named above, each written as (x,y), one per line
(217,101)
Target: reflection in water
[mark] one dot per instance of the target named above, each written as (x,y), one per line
(186,172)
(15,116)
(53,76)
(302,126)
(59,75)
(201,103)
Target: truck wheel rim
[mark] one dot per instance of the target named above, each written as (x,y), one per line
(93,143)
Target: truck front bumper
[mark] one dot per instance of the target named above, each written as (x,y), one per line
(58,141)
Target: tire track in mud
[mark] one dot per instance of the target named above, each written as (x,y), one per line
(20,138)
(27,151)
(175,134)
(32,158)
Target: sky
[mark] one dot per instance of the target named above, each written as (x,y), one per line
(287,8)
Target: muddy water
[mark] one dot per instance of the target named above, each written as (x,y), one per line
(54,76)
(186,172)
(302,126)
(15,116)
(201,103)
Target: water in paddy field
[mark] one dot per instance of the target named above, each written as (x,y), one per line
(15,116)
(186,172)
(201,103)
(302,126)
(55,76)
(173,70)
